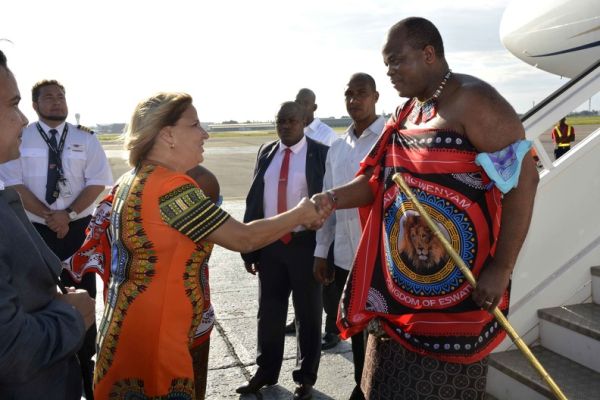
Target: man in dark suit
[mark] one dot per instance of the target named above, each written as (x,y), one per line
(286,170)
(41,329)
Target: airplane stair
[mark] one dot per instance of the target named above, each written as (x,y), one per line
(555,301)
(569,350)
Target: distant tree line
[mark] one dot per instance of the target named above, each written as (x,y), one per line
(584,113)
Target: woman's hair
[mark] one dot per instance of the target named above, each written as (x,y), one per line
(149,117)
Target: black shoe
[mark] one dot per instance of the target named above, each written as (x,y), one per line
(357,394)
(330,340)
(291,327)
(254,385)
(303,392)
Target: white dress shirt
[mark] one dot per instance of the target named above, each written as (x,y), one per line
(83,160)
(320,132)
(343,161)
(1,184)
(297,188)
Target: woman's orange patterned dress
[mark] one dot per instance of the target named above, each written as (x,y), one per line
(156,297)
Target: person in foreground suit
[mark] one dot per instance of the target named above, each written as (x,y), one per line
(286,170)
(61,172)
(41,329)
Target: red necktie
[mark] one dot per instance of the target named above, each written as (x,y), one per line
(282,190)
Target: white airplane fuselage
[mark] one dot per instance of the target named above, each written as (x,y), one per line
(558,36)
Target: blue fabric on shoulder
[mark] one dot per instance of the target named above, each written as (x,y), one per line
(504,166)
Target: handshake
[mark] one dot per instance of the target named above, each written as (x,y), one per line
(314,211)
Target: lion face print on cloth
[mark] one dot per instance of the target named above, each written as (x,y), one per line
(420,247)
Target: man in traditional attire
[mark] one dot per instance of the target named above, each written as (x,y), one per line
(460,147)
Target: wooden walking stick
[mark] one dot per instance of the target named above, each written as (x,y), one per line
(471,279)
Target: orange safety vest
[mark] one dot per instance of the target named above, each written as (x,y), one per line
(560,138)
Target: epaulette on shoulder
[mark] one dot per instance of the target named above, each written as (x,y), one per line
(86,129)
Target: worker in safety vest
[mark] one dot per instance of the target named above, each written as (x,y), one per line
(562,136)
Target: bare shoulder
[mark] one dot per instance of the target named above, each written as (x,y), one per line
(478,95)
(489,121)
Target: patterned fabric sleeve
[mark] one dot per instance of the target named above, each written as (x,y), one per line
(187,209)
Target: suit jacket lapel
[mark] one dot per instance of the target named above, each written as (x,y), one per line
(269,158)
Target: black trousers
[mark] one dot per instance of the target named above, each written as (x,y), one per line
(65,248)
(286,268)
(331,299)
(358,340)
(559,151)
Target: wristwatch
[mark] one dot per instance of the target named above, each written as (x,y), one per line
(72,213)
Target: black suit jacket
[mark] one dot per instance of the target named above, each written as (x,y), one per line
(40,334)
(316,155)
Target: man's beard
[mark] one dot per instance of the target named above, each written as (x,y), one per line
(59,118)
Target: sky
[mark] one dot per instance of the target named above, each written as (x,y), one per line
(241,59)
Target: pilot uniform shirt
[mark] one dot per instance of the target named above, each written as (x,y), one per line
(83,160)
(320,132)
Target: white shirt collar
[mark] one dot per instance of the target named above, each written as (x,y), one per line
(314,124)
(1,184)
(59,128)
(374,129)
(295,148)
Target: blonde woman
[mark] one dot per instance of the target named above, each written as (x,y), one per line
(163,228)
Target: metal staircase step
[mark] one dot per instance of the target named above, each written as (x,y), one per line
(575,380)
(582,318)
(573,332)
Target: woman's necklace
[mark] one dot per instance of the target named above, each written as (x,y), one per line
(424,111)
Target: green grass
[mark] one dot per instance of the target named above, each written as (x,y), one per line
(109,137)
(115,137)
(228,134)
(587,120)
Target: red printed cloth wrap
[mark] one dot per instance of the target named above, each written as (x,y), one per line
(94,253)
(402,274)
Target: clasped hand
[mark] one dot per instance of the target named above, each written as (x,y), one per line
(82,302)
(317,210)
(58,221)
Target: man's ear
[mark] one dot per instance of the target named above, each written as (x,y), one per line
(429,54)
(376,96)
(35,106)
(315,108)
